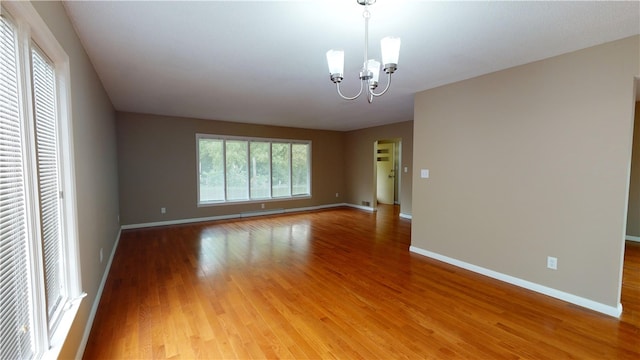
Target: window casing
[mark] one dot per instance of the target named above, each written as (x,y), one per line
(40,283)
(237,169)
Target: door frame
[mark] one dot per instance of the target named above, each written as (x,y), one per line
(397,170)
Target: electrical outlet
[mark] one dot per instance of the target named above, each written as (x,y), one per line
(337,194)
(163,210)
(552,263)
(262,206)
(101,256)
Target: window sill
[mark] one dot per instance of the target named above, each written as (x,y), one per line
(253,201)
(63,328)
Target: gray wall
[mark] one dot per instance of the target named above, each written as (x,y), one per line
(95,166)
(359,162)
(531,162)
(157,167)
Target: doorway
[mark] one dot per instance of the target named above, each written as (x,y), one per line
(387,153)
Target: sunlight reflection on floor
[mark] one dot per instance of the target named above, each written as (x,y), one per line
(223,249)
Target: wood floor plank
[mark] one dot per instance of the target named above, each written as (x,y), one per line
(333,284)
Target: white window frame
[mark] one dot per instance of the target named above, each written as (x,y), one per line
(31,28)
(200,136)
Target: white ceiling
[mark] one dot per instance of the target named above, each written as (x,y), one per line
(264,62)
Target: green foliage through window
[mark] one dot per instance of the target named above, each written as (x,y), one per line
(236,169)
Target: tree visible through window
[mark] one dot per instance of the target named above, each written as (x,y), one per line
(237,169)
(260,169)
(242,169)
(281,177)
(300,173)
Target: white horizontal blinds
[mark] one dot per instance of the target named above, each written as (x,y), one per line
(16,335)
(44,98)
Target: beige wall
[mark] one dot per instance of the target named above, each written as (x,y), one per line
(157,167)
(95,165)
(633,215)
(531,162)
(359,162)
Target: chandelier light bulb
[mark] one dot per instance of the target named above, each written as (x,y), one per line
(374,68)
(335,60)
(390,47)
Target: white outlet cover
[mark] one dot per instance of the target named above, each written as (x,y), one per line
(552,263)
(424,173)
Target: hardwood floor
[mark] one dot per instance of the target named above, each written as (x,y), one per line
(333,284)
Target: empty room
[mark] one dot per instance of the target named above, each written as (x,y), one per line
(348,179)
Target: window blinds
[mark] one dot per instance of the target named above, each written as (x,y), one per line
(44,92)
(16,335)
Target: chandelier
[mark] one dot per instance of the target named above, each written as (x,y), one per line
(370,72)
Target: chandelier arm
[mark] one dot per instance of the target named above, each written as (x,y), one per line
(352,97)
(385,89)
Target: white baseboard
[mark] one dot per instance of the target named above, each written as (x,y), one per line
(570,298)
(633,238)
(312,208)
(96,301)
(405,216)
(361,207)
(179,221)
(239,215)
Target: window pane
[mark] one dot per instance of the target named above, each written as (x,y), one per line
(211,160)
(260,170)
(16,329)
(281,166)
(237,170)
(300,169)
